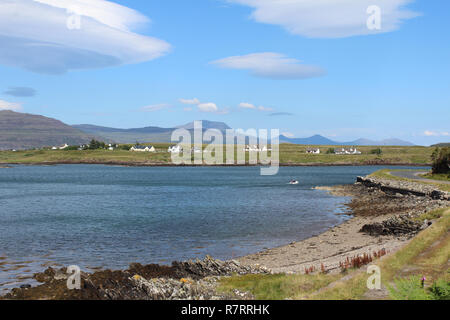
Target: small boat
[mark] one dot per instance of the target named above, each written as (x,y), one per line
(293,182)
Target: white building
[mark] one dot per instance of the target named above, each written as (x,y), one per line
(347,151)
(175,149)
(313,151)
(142,149)
(256,148)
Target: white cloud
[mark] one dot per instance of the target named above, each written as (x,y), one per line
(203,107)
(207,107)
(328,18)
(261,108)
(270,65)
(194,101)
(156,107)
(429,133)
(246,105)
(5,105)
(34,35)
(288,134)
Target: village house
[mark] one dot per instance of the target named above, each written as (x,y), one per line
(347,151)
(175,149)
(142,149)
(255,148)
(313,151)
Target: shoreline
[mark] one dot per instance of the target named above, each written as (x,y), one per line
(369,206)
(154,164)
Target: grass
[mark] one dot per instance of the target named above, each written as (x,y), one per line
(408,289)
(420,257)
(290,154)
(432,215)
(278,286)
(426,255)
(440,176)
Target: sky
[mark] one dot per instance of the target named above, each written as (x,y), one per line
(345,69)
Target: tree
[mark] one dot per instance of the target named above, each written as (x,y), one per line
(376,151)
(441,161)
(94,145)
(330,151)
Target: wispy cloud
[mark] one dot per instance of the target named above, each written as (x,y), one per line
(328,18)
(36,35)
(5,105)
(156,107)
(20,92)
(194,101)
(288,134)
(430,133)
(281,114)
(271,65)
(246,105)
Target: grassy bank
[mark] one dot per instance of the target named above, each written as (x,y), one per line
(289,155)
(386,174)
(426,255)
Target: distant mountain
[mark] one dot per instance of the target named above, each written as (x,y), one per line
(27,131)
(147,134)
(314,140)
(207,125)
(319,140)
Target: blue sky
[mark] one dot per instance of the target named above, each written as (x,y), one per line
(305,69)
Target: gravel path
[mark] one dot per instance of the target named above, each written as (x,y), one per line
(415,175)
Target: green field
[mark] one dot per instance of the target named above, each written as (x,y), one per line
(290,154)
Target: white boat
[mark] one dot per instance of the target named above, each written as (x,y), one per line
(294,182)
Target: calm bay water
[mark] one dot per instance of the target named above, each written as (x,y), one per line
(106,216)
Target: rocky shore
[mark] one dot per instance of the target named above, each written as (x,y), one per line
(190,280)
(383,221)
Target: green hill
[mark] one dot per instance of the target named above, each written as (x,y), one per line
(27,131)
(441,145)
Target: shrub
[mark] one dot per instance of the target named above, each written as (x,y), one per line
(440,290)
(411,289)
(376,151)
(408,289)
(71,148)
(330,151)
(125,147)
(441,161)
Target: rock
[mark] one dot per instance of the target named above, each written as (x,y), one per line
(399,225)
(401,188)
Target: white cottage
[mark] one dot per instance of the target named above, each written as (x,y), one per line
(175,149)
(142,149)
(313,151)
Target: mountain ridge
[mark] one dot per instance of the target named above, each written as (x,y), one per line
(320,140)
(27,131)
